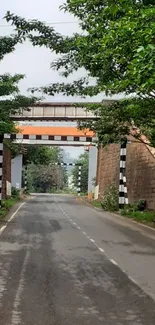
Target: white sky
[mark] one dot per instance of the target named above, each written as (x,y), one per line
(35,62)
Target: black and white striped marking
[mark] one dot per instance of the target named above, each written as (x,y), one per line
(66,164)
(79,181)
(56,138)
(123,193)
(26,178)
(79,173)
(1,168)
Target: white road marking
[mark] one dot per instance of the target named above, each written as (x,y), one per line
(2,229)
(4,274)
(88,237)
(101,249)
(131,279)
(113,261)
(11,218)
(16,314)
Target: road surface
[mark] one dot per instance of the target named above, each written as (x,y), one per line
(65,263)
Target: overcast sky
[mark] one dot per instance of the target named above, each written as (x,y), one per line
(35,62)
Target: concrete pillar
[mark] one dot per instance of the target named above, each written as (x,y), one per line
(93,153)
(16,171)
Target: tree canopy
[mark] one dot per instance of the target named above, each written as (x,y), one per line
(117,50)
(11,101)
(43,155)
(44,176)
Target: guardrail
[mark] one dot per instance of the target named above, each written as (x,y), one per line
(55,112)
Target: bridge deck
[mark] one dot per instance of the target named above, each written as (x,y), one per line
(56,112)
(50,135)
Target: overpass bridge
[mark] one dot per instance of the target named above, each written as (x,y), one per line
(57,112)
(52,135)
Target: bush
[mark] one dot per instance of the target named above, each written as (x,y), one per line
(110,199)
(15,192)
(141,205)
(8,203)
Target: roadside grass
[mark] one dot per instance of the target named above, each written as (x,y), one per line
(6,206)
(96,204)
(147,217)
(83,194)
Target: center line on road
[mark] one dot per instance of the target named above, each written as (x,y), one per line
(113,261)
(92,240)
(101,249)
(88,237)
(131,279)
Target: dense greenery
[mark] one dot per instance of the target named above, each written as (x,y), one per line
(110,199)
(44,176)
(42,155)
(45,179)
(140,216)
(83,161)
(117,50)
(11,101)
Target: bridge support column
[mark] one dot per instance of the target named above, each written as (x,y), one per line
(93,152)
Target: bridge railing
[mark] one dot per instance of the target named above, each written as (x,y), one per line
(57,112)
(54,111)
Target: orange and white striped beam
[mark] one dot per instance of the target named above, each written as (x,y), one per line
(51,135)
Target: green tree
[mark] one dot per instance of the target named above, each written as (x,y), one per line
(43,155)
(117,50)
(44,176)
(83,161)
(11,101)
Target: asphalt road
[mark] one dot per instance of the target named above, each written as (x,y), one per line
(65,263)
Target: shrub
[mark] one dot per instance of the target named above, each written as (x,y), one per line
(141,205)
(7,204)
(110,199)
(15,192)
